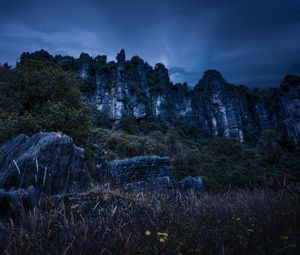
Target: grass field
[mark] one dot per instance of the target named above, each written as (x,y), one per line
(258,221)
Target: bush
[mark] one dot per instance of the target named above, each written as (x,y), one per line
(98,118)
(220,162)
(141,96)
(149,125)
(39,97)
(121,145)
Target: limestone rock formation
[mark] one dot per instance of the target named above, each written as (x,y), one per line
(146,173)
(51,162)
(137,169)
(290,106)
(134,89)
(156,184)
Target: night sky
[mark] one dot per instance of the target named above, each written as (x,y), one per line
(252,42)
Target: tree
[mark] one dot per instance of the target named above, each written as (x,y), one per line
(36,96)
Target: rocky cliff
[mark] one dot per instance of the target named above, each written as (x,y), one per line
(134,89)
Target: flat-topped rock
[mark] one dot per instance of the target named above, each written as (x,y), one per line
(138,169)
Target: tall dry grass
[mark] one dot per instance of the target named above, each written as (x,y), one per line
(259,221)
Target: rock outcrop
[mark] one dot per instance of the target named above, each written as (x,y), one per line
(142,168)
(146,173)
(191,183)
(290,106)
(51,162)
(134,89)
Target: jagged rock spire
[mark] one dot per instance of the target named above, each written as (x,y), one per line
(121,57)
(212,80)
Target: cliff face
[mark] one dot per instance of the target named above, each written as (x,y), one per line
(135,89)
(290,107)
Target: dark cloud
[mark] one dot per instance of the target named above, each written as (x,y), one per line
(251,42)
(179,74)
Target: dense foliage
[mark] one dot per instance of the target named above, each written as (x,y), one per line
(36,96)
(220,162)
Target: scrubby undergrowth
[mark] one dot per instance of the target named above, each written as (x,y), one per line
(259,221)
(221,163)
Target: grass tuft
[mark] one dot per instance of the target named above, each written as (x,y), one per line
(258,221)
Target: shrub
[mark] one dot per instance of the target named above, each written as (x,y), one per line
(220,162)
(98,118)
(141,96)
(121,145)
(36,96)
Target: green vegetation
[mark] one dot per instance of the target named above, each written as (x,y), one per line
(220,162)
(141,96)
(39,97)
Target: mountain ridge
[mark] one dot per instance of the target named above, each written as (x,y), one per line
(134,89)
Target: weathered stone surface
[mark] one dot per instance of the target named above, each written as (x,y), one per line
(146,173)
(154,184)
(138,169)
(121,58)
(49,161)
(132,88)
(290,107)
(139,111)
(160,184)
(137,90)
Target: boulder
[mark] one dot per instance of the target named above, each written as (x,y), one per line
(51,162)
(191,183)
(158,184)
(146,173)
(136,169)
